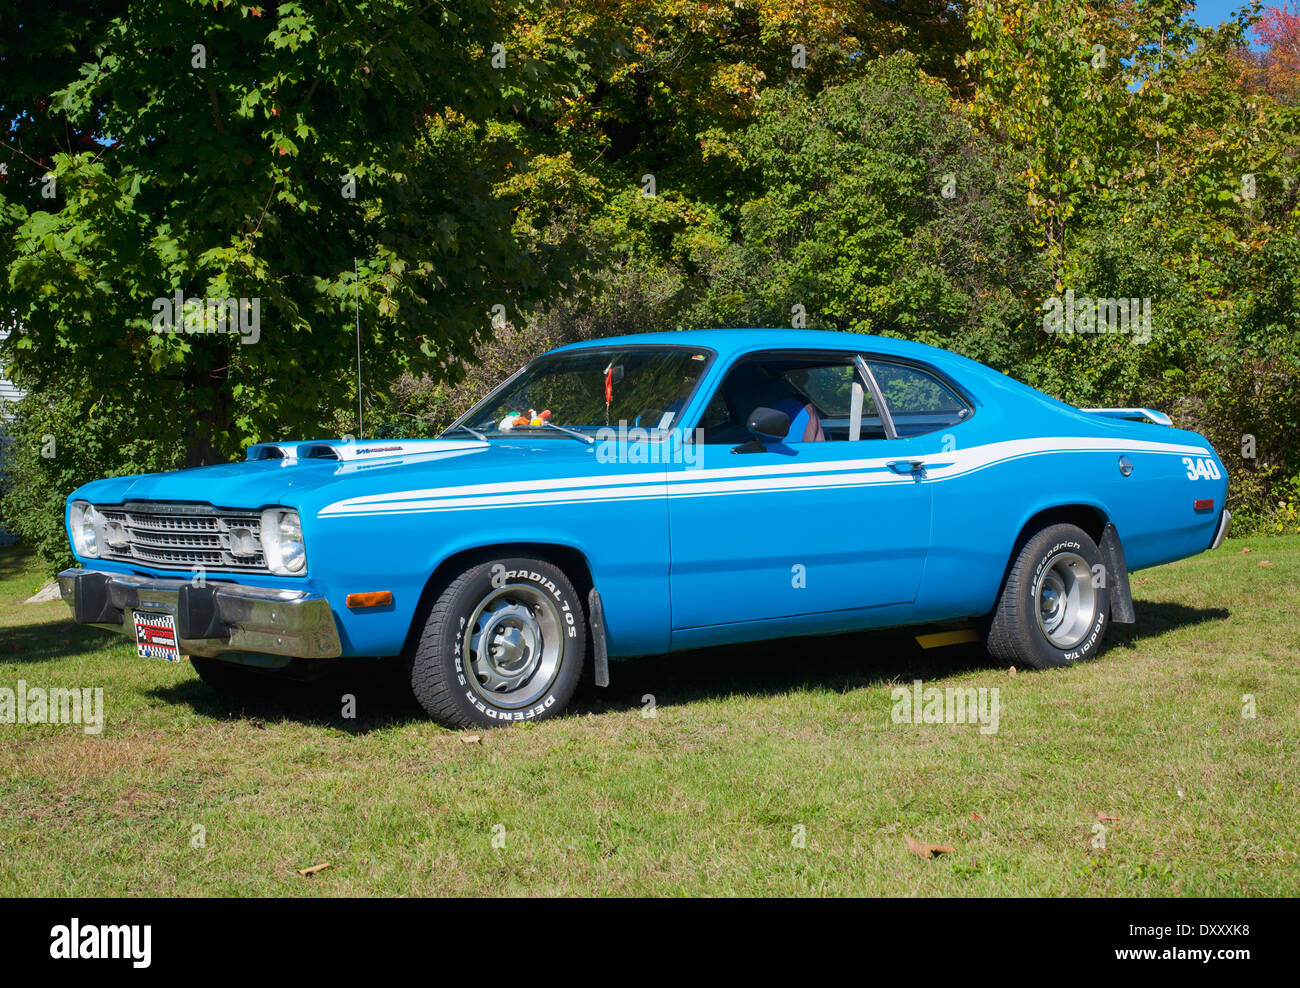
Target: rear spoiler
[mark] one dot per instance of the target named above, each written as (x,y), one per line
(1132,414)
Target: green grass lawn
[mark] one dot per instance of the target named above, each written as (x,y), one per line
(747,744)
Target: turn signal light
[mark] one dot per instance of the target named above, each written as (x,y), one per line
(375,598)
(1203,504)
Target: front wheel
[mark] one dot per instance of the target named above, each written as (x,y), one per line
(504,641)
(1054,606)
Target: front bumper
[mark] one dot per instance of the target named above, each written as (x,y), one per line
(211,619)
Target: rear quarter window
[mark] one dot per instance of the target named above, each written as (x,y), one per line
(918,401)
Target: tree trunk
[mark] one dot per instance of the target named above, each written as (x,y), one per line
(207,394)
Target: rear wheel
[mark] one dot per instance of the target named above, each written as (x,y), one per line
(1054,606)
(504,641)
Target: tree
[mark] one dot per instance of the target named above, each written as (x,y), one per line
(1278,30)
(882,211)
(176,167)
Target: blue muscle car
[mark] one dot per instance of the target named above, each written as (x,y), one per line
(645,494)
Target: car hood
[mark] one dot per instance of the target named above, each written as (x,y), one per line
(305,474)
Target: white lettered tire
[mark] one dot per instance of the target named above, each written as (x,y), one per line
(1054,607)
(504,642)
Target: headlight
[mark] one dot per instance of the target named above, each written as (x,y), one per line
(115,535)
(282,542)
(84,522)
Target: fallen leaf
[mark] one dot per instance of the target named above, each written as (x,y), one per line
(257,722)
(926,850)
(1106,818)
(974,816)
(470,738)
(1012,670)
(1245,550)
(314,868)
(1265,562)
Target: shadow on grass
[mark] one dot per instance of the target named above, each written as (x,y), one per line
(839,663)
(380,698)
(15,560)
(50,640)
(1155,617)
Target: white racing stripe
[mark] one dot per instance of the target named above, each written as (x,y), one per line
(765,478)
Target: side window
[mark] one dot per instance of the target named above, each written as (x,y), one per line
(825,397)
(716,417)
(838,393)
(918,401)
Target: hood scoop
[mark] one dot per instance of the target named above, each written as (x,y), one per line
(350,451)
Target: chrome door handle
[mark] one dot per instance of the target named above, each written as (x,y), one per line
(906,466)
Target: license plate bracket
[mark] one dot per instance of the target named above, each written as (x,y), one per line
(155,636)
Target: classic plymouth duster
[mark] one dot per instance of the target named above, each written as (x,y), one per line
(646,494)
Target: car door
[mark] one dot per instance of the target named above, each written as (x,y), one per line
(781,529)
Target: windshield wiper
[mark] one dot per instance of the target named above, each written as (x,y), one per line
(568,432)
(473,432)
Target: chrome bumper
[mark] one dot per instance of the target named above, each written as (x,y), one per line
(1221,533)
(210,619)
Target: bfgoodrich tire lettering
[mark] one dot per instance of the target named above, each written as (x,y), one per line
(1054,606)
(504,642)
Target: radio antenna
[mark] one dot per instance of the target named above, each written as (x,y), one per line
(356,296)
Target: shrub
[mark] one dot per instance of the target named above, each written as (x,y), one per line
(59,441)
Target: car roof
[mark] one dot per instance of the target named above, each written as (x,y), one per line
(729,342)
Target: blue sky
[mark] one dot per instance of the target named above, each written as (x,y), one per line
(1214,11)
(1210,12)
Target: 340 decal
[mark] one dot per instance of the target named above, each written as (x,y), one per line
(1201,467)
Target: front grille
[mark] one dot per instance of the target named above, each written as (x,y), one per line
(184,537)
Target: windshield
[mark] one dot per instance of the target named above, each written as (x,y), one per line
(587,390)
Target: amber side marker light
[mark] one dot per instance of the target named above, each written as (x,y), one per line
(375,598)
(1203,504)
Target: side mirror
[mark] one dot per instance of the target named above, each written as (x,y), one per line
(768,423)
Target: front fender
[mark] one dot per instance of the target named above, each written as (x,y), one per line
(626,550)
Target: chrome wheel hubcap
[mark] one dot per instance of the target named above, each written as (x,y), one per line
(514,645)
(1067,600)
